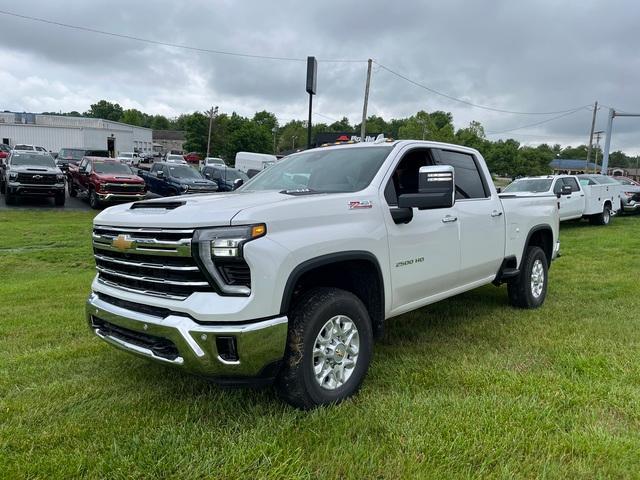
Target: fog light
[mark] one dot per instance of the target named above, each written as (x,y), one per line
(227,349)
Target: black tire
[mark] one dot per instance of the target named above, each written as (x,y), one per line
(72,190)
(521,291)
(59,199)
(296,382)
(9,199)
(2,187)
(603,218)
(94,201)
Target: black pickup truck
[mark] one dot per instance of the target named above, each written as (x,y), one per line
(32,173)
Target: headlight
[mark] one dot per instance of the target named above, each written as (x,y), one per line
(13,175)
(185,188)
(216,244)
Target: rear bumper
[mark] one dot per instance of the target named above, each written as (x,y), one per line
(179,341)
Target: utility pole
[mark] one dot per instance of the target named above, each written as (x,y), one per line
(597,134)
(293,142)
(593,126)
(212,113)
(274,130)
(363,126)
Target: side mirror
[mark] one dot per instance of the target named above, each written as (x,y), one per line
(566,190)
(238,182)
(207,175)
(160,174)
(436,189)
(499,189)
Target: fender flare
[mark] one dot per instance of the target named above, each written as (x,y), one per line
(534,229)
(328,259)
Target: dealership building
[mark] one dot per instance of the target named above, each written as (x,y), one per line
(54,132)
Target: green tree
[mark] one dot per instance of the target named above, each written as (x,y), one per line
(105,110)
(132,116)
(266,119)
(293,134)
(160,122)
(473,136)
(501,157)
(341,126)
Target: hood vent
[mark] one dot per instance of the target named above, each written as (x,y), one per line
(157,205)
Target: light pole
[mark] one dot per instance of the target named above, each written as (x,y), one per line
(213,112)
(293,142)
(274,130)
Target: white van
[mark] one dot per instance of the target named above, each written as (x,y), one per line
(252,163)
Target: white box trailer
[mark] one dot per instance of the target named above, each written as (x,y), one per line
(253,163)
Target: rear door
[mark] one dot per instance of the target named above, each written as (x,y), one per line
(480,215)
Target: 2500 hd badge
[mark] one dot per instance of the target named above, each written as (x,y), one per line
(411,261)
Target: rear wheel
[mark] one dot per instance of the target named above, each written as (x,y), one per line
(72,190)
(328,351)
(603,218)
(94,201)
(529,288)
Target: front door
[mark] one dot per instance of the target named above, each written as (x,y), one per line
(425,252)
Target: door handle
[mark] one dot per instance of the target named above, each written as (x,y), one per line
(449,219)
(496,213)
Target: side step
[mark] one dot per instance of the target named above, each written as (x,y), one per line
(506,273)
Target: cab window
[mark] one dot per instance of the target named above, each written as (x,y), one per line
(469,182)
(405,176)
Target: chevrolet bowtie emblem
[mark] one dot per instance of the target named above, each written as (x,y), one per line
(122,242)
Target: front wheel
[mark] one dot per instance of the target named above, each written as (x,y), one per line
(2,187)
(94,201)
(59,199)
(529,288)
(329,348)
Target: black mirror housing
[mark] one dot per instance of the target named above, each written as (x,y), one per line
(436,189)
(566,190)
(238,182)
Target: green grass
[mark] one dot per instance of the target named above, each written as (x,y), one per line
(466,388)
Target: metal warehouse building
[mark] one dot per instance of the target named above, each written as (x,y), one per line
(54,132)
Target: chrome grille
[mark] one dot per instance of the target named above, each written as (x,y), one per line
(150,261)
(125,187)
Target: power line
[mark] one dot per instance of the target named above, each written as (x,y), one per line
(169,44)
(538,123)
(484,107)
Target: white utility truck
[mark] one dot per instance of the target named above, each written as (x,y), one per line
(591,196)
(253,163)
(291,277)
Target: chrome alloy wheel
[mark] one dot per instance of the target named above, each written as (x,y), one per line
(335,352)
(537,278)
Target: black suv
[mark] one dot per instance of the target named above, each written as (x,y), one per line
(31,173)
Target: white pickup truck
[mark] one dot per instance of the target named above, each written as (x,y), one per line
(291,277)
(592,196)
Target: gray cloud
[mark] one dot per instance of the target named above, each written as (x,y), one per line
(527,56)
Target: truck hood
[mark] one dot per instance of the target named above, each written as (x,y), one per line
(34,169)
(120,178)
(217,209)
(193,181)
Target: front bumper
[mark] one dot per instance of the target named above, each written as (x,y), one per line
(121,197)
(35,189)
(180,341)
(631,206)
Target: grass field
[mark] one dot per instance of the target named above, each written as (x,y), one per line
(466,388)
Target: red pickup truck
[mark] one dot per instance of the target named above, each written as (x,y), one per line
(105,180)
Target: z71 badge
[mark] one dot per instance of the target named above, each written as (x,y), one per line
(357,204)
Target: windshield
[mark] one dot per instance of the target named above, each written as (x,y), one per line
(111,167)
(175,157)
(183,171)
(71,153)
(537,185)
(32,160)
(97,153)
(23,147)
(625,181)
(322,171)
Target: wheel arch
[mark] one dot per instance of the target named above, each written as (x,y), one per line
(540,236)
(356,271)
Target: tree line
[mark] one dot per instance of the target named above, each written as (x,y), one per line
(231,133)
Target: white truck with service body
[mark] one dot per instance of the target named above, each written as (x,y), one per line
(591,196)
(253,163)
(291,277)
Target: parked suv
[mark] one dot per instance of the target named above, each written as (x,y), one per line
(226,178)
(31,173)
(104,180)
(168,179)
(291,276)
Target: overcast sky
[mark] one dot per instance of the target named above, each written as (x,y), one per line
(528,56)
